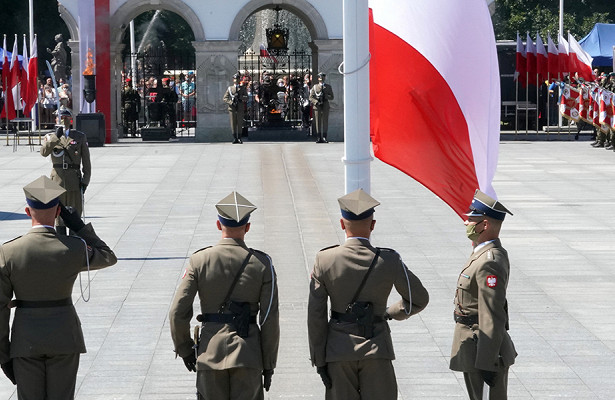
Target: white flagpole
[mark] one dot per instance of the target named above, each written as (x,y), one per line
(357,155)
(31,21)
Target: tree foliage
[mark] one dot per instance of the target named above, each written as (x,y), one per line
(512,16)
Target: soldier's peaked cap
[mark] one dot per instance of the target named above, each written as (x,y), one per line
(484,205)
(357,205)
(234,210)
(43,193)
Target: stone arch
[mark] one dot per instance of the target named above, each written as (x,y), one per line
(70,21)
(131,9)
(304,10)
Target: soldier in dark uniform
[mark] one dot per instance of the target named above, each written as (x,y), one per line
(237,286)
(353,350)
(131,103)
(482,348)
(236,98)
(168,98)
(320,95)
(39,269)
(70,156)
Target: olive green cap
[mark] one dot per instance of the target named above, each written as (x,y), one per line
(234,210)
(43,193)
(357,205)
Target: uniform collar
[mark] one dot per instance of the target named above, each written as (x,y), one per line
(232,242)
(42,229)
(360,241)
(482,247)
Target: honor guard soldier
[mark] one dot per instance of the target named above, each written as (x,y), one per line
(39,269)
(131,103)
(70,156)
(236,97)
(482,348)
(237,286)
(352,351)
(320,95)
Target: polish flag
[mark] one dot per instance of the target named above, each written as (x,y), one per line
(13,99)
(562,48)
(553,59)
(32,77)
(541,59)
(24,73)
(441,123)
(265,53)
(580,59)
(521,65)
(6,68)
(530,52)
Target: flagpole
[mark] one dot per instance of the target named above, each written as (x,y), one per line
(527,100)
(516,106)
(548,103)
(31,20)
(357,155)
(537,101)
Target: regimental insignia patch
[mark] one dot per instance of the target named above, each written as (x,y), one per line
(492,281)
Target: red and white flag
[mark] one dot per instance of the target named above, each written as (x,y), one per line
(569,103)
(595,95)
(6,69)
(32,77)
(606,111)
(552,60)
(562,48)
(265,53)
(25,81)
(441,123)
(530,52)
(541,59)
(584,103)
(15,78)
(521,63)
(581,60)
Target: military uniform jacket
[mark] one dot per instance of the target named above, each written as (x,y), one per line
(320,94)
(42,266)
(235,91)
(481,291)
(337,274)
(71,150)
(210,273)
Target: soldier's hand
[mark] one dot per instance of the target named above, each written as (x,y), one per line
(59,131)
(489,377)
(7,368)
(267,374)
(190,362)
(71,219)
(324,375)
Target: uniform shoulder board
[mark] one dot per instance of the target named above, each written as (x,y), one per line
(387,249)
(9,241)
(202,249)
(489,255)
(260,252)
(330,247)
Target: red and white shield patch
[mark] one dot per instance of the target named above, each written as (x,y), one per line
(492,281)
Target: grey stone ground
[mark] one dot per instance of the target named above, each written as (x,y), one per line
(154,205)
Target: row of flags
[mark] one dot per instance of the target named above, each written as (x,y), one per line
(590,103)
(19,81)
(553,62)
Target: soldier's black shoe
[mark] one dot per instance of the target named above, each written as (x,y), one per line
(609,147)
(240,141)
(236,141)
(593,144)
(598,145)
(322,141)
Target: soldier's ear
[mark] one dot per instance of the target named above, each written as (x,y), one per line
(247,227)
(58,210)
(371,228)
(28,213)
(342,224)
(219,225)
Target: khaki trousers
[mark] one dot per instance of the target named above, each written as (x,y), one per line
(49,378)
(370,379)
(230,384)
(321,120)
(237,121)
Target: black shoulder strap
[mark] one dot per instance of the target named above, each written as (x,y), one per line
(243,266)
(369,270)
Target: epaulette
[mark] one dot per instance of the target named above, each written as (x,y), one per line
(330,247)
(202,249)
(260,252)
(9,241)
(489,255)
(387,249)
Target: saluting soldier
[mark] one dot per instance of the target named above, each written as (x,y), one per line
(235,356)
(353,350)
(39,269)
(70,157)
(482,348)
(320,95)
(236,97)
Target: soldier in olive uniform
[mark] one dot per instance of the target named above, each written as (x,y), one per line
(131,102)
(236,97)
(235,357)
(39,269)
(482,348)
(320,95)
(69,152)
(353,350)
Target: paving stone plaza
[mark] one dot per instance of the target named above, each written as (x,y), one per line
(153,203)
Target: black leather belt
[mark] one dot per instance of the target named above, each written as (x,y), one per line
(43,303)
(349,317)
(67,166)
(468,320)
(223,318)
